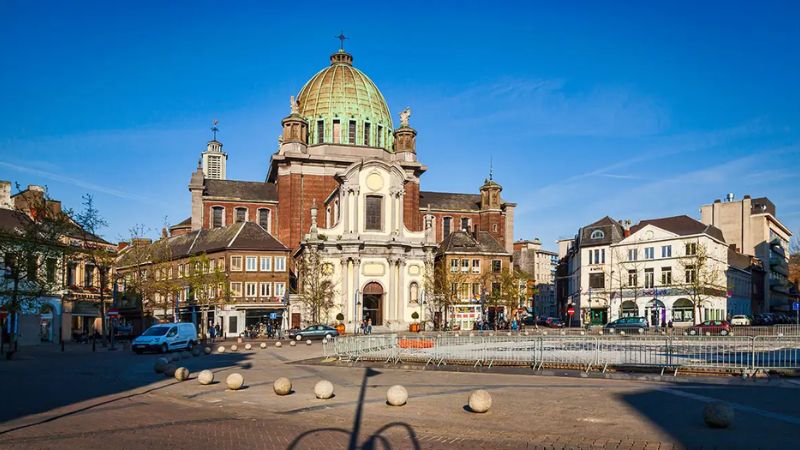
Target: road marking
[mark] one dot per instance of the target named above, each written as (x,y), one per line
(761,412)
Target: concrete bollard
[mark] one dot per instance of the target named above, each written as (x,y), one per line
(263,345)
(480,401)
(221,349)
(247,346)
(160,364)
(282,386)
(396,395)
(278,344)
(308,342)
(718,415)
(292,343)
(207,350)
(234,381)
(205,377)
(234,348)
(323,389)
(181,374)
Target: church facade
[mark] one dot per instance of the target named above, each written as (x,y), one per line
(345,181)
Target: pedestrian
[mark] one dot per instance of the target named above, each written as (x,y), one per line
(269,330)
(369,325)
(218,331)
(212,332)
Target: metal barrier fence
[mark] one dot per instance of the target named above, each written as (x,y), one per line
(742,354)
(772,330)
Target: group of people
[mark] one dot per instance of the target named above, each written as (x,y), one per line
(366,326)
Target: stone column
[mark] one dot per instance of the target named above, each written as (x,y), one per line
(344,268)
(356,287)
(401,289)
(391,291)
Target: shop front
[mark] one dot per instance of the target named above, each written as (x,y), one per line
(463,316)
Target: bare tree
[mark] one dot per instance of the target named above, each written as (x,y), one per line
(444,285)
(794,260)
(317,289)
(702,278)
(208,284)
(33,248)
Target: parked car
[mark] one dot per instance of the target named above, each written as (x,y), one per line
(529,320)
(552,322)
(721,327)
(628,324)
(740,320)
(166,337)
(314,332)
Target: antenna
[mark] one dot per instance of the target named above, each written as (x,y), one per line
(214,128)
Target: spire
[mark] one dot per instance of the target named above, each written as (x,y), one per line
(341,56)
(341,37)
(491,170)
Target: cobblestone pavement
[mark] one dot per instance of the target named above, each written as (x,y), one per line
(80,399)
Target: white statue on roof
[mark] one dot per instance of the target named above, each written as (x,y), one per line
(404,115)
(294,105)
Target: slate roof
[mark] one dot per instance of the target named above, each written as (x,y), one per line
(238,236)
(612,233)
(738,260)
(466,242)
(682,226)
(448,200)
(12,219)
(241,190)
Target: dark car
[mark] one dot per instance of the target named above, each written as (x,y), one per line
(313,332)
(720,327)
(552,322)
(529,320)
(628,324)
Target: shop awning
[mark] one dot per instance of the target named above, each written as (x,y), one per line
(85,309)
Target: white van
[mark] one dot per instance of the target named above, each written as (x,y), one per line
(165,337)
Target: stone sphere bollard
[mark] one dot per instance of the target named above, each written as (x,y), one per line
(196,351)
(323,389)
(234,348)
(583,333)
(563,333)
(299,338)
(622,333)
(641,331)
(278,344)
(207,350)
(181,374)
(234,381)
(480,401)
(221,349)
(308,341)
(282,386)
(292,344)
(396,395)
(263,345)
(491,333)
(600,332)
(205,377)
(169,370)
(160,364)
(718,415)
(544,333)
(247,346)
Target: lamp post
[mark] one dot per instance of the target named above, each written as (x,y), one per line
(356,314)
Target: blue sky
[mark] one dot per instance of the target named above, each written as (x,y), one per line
(627,109)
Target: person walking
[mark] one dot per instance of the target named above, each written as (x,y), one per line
(369,325)
(212,333)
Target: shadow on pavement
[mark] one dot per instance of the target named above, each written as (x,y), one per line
(42,380)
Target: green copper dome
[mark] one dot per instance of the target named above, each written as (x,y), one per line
(343,106)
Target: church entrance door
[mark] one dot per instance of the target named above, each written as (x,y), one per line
(373,303)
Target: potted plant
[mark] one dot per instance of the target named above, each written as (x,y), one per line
(414,327)
(340,325)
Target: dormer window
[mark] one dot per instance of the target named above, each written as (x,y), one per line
(597,234)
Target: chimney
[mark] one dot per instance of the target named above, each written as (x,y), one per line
(122,246)
(164,234)
(5,195)
(746,196)
(141,241)
(36,188)
(729,197)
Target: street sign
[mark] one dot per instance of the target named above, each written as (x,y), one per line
(273,316)
(571,311)
(796,306)
(112,313)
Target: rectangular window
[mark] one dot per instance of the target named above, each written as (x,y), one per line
(72,269)
(280,290)
(453,265)
(250,289)
(233,325)
(251,263)
(216,214)
(597,280)
(236,264)
(241,215)
(633,254)
(649,278)
(366,134)
(666,251)
(266,290)
(236,289)
(476,290)
(632,278)
(320,132)
(453,288)
(465,224)
(465,265)
(666,276)
(88,275)
(690,274)
(351,132)
(447,223)
(476,266)
(280,264)
(50,269)
(379,139)
(649,253)
(374,212)
(495,288)
(337,132)
(465,287)
(599,256)
(263,218)
(497,265)
(266,264)
(691,249)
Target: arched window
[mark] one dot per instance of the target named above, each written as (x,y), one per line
(241,215)
(597,234)
(263,218)
(217,216)
(413,292)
